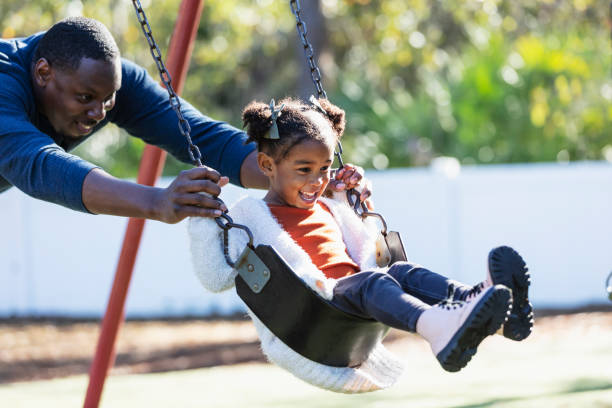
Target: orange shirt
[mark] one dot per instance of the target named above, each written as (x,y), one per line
(317,233)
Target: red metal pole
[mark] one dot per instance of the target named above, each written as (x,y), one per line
(151,166)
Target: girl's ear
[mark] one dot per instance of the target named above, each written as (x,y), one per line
(266,163)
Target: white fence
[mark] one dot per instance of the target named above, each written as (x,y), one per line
(56,262)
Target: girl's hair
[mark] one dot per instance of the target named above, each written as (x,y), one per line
(295,124)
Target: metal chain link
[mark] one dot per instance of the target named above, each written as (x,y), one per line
(226,226)
(315,73)
(361,209)
(352,195)
(175,103)
(185,129)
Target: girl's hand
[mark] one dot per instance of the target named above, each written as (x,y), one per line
(349,177)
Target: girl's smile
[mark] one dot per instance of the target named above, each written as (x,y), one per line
(299,178)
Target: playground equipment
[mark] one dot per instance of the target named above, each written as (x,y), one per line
(333,338)
(151,166)
(295,313)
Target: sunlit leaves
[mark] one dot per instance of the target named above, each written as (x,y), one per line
(482,80)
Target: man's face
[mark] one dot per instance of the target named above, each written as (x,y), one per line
(75,101)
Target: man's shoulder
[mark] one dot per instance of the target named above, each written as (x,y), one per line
(19,50)
(136,87)
(134,80)
(15,59)
(131,71)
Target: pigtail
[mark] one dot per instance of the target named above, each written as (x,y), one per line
(277,128)
(335,115)
(256,117)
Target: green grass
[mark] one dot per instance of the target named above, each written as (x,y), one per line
(547,370)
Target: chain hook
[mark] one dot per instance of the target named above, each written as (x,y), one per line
(361,209)
(229,224)
(225,222)
(383,231)
(352,197)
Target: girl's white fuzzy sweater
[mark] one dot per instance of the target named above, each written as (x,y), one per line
(380,370)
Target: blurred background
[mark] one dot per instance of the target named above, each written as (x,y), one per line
(480,122)
(485,81)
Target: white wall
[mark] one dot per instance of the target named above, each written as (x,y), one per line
(559,217)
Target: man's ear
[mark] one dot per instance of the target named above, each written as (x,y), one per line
(42,72)
(265,163)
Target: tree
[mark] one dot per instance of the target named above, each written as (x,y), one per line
(487,81)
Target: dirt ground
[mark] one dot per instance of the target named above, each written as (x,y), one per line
(43,349)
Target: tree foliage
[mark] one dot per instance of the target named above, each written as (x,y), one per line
(486,81)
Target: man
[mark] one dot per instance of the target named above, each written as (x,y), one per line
(60,87)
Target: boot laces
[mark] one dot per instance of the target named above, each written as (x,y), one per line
(449,303)
(476,289)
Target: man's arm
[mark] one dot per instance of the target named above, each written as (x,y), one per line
(142,109)
(31,161)
(105,194)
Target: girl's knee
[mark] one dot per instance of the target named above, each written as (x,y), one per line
(403,268)
(382,279)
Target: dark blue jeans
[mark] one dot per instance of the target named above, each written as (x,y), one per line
(396,298)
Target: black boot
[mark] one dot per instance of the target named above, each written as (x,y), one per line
(506,267)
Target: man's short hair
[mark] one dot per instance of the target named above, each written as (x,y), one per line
(67,42)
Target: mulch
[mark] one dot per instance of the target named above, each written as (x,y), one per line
(36,349)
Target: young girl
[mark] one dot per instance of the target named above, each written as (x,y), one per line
(333,251)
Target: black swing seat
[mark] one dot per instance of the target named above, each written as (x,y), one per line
(302,319)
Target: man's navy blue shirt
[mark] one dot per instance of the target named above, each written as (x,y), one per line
(35,158)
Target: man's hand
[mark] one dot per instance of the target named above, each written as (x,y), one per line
(105,194)
(349,177)
(183,197)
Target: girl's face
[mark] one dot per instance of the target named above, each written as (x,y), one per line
(299,178)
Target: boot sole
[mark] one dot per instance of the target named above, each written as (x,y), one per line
(509,269)
(484,320)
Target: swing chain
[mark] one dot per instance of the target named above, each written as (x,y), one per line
(226,226)
(175,103)
(315,73)
(184,128)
